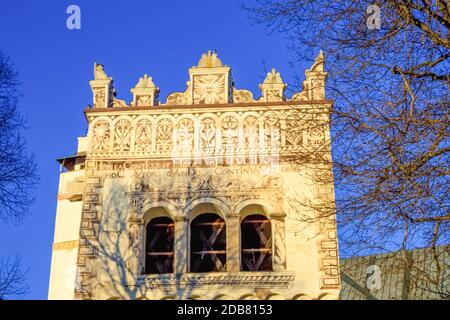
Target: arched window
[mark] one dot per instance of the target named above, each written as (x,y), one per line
(208,244)
(159,245)
(256,243)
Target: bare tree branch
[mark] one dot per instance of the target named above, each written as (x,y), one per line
(12,278)
(18,174)
(390,119)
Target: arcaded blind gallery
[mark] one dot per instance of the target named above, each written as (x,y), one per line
(198,197)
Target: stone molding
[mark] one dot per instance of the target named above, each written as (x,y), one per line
(65,245)
(217,280)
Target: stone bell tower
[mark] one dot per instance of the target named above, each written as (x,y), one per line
(210,195)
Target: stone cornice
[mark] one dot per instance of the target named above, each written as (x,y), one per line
(215,107)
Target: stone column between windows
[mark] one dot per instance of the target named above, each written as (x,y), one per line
(278,241)
(233,243)
(181,245)
(137,250)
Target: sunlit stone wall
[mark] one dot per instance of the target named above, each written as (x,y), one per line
(210,149)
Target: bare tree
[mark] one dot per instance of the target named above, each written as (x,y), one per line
(12,278)
(390,120)
(18,173)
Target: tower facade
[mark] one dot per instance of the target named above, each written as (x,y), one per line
(211,195)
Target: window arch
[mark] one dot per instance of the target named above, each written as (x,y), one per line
(256,243)
(159,251)
(208,244)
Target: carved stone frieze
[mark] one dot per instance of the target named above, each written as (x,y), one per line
(230,138)
(218,280)
(144,192)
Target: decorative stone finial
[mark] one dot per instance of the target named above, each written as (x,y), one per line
(273,77)
(145,82)
(273,87)
(319,62)
(102,88)
(99,73)
(209,82)
(209,60)
(145,92)
(315,78)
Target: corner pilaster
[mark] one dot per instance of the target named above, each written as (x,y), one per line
(181,245)
(279,241)
(233,243)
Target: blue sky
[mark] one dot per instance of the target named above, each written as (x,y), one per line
(160,38)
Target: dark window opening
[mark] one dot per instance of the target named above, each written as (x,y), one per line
(256,243)
(159,246)
(208,244)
